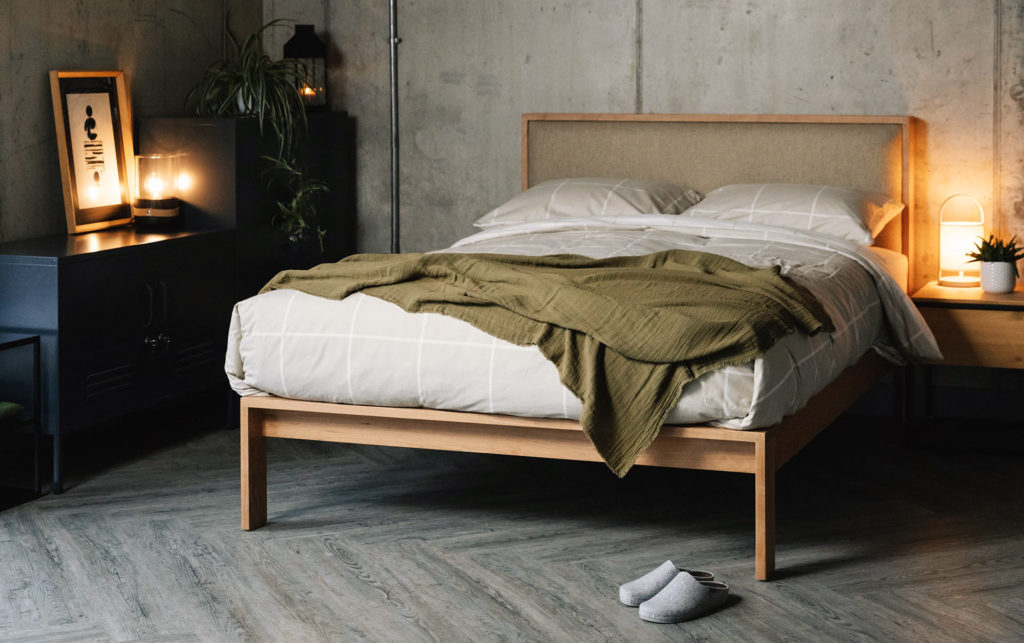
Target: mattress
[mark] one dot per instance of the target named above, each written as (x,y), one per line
(362,350)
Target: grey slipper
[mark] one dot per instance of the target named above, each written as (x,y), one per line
(684,598)
(635,592)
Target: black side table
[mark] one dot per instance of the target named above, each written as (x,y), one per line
(10,341)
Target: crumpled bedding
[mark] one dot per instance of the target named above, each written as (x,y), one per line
(363,350)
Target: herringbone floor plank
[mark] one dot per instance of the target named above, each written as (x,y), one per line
(875,541)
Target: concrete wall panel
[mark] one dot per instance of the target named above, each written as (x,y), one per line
(468,69)
(1010,106)
(800,56)
(358,82)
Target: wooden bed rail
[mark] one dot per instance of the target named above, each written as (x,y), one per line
(759,452)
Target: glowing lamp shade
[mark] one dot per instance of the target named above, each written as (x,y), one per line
(961,222)
(156,190)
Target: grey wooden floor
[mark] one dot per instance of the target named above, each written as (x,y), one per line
(875,541)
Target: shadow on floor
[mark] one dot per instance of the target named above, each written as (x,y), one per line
(933,486)
(94,450)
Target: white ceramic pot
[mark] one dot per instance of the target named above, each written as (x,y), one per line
(997,276)
(244,106)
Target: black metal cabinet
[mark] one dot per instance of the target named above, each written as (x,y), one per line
(127,319)
(24,382)
(99,337)
(233,190)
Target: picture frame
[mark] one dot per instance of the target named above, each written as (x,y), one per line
(92,114)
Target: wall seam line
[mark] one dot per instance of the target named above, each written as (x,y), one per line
(223,36)
(997,121)
(638,99)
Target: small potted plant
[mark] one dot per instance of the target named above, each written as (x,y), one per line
(249,83)
(998,260)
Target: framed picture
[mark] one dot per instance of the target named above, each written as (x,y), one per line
(94,138)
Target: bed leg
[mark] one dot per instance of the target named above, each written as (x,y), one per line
(764,507)
(254,469)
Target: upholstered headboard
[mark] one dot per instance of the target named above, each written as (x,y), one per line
(707,151)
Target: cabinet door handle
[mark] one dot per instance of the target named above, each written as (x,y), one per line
(149,307)
(163,300)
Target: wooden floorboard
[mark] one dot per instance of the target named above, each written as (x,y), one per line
(875,541)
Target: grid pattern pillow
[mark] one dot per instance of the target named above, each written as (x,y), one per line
(844,213)
(588,197)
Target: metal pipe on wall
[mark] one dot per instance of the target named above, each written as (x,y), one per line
(395,40)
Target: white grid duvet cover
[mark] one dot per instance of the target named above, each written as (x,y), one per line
(363,350)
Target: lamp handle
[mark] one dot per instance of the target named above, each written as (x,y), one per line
(981,210)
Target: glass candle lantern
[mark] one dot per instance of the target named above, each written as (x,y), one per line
(961,222)
(309,50)
(156,189)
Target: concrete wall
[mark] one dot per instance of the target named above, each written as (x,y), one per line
(469,68)
(163,46)
(1009,125)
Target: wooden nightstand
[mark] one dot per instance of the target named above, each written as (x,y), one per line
(975,328)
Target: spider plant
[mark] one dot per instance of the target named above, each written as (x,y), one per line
(248,83)
(293,213)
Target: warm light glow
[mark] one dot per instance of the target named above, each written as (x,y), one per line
(955,241)
(154,187)
(308,91)
(93,192)
(961,222)
(157,176)
(184,181)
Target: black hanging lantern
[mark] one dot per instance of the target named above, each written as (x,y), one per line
(305,47)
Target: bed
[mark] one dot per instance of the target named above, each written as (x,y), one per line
(866,153)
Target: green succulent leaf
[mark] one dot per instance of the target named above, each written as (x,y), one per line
(996,249)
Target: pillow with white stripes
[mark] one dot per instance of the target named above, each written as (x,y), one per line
(845,213)
(588,197)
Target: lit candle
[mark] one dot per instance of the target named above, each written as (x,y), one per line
(157,184)
(154,187)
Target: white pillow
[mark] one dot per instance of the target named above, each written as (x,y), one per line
(853,215)
(587,197)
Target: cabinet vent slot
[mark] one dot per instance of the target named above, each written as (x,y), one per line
(196,356)
(108,381)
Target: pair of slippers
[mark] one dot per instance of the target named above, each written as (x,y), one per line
(670,594)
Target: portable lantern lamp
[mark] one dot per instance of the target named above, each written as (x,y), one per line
(961,222)
(156,191)
(312,53)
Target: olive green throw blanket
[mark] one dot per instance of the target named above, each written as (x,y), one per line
(626,333)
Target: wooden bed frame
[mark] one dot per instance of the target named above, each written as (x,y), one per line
(606,145)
